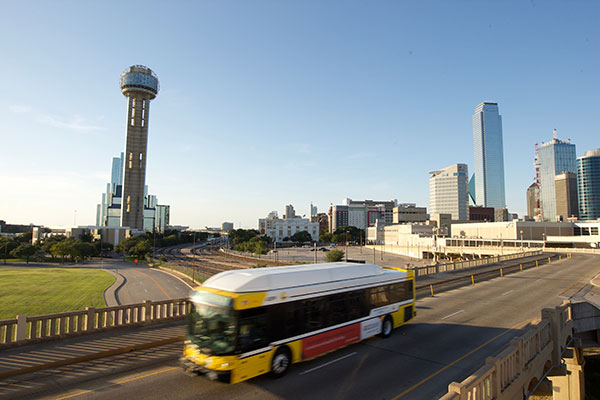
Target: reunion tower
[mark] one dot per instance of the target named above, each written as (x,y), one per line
(140,85)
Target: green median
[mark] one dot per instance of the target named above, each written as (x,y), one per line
(40,291)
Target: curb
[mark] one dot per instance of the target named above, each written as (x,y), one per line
(89,357)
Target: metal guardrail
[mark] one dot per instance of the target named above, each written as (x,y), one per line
(436,269)
(24,329)
(425,289)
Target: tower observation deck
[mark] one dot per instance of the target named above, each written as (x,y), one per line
(140,85)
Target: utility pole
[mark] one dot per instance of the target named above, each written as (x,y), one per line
(315,250)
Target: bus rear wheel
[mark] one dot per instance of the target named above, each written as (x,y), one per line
(281,362)
(387,326)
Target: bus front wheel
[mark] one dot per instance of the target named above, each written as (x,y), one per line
(387,326)
(281,362)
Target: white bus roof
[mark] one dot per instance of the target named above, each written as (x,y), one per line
(274,278)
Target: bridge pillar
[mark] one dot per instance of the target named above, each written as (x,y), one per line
(553,316)
(570,385)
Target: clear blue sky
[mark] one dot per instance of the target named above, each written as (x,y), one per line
(266,103)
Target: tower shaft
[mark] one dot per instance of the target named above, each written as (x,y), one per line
(136,145)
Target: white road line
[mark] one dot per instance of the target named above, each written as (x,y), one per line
(326,364)
(453,314)
(538,280)
(505,293)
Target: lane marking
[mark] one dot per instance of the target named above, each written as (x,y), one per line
(157,284)
(326,364)
(453,314)
(416,385)
(505,293)
(118,383)
(572,285)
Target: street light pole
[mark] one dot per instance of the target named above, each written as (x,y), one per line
(521,241)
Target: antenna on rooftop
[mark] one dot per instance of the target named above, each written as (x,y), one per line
(554,134)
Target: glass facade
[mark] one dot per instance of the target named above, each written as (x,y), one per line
(555,157)
(588,185)
(137,79)
(488,154)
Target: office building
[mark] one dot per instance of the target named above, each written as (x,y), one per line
(485,214)
(357,214)
(409,213)
(226,226)
(449,192)
(140,85)
(323,220)
(108,212)
(289,212)
(565,187)
(488,154)
(588,185)
(555,157)
(533,199)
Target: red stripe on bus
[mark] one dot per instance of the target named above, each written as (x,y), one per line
(327,341)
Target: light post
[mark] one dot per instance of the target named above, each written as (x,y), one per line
(544,240)
(521,241)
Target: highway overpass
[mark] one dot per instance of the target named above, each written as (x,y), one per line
(450,339)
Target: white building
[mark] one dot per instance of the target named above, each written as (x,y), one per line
(279,229)
(449,191)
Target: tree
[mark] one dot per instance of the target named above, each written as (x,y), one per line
(24,237)
(325,237)
(60,249)
(348,234)
(24,250)
(142,248)
(334,255)
(50,241)
(6,246)
(86,237)
(301,237)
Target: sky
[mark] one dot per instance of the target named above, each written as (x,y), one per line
(268,103)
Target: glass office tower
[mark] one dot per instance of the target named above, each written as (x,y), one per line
(588,185)
(488,154)
(555,157)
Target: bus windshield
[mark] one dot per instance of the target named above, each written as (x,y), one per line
(212,328)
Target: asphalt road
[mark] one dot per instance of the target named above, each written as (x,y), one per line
(136,283)
(449,339)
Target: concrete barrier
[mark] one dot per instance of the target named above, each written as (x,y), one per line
(511,373)
(25,330)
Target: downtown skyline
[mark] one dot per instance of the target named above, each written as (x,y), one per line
(269,104)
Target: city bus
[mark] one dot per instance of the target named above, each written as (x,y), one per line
(247,322)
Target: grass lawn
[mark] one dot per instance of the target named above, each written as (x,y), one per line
(39,291)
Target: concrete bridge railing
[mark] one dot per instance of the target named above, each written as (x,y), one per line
(516,370)
(25,330)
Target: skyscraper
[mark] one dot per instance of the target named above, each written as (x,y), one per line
(140,85)
(588,185)
(448,192)
(565,188)
(555,157)
(488,156)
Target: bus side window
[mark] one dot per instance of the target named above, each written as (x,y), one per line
(314,313)
(379,296)
(252,329)
(357,304)
(338,310)
(293,319)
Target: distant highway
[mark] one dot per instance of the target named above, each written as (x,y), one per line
(449,339)
(137,283)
